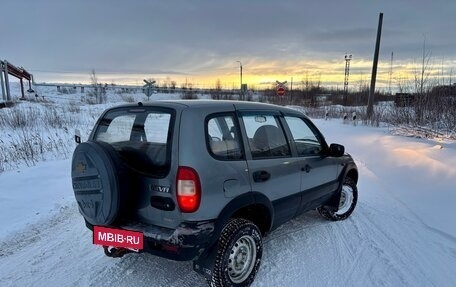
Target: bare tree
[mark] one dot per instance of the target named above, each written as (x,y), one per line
(98,93)
(217,93)
(451,77)
(404,84)
(421,79)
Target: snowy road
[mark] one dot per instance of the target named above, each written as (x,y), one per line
(401,234)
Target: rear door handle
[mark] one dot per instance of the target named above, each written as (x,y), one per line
(262,175)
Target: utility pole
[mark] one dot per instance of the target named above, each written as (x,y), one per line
(291,91)
(241,91)
(390,74)
(422,66)
(370,100)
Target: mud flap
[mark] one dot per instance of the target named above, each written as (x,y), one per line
(333,203)
(205,263)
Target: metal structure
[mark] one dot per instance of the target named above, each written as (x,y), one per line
(347,72)
(1,81)
(20,73)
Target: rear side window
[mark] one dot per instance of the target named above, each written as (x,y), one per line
(223,138)
(141,136)
(265,136)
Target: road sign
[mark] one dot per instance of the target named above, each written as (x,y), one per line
(149,87)
(280,91)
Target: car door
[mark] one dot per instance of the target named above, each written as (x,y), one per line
(318,170)
(272,169)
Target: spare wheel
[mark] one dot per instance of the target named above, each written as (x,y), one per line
(96,174)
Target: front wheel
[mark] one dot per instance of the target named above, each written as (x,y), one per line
(347,202)
(239,252)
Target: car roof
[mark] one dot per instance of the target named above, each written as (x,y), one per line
(204,104)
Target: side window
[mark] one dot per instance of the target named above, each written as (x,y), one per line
(306,141)
(265,136)
(223,138)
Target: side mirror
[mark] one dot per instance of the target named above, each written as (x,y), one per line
(336,150)
(77,136)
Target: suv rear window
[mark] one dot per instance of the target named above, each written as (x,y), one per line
(141,136)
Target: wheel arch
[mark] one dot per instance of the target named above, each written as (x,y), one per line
(352,173)
(258,214)
(250,206)
(253,206)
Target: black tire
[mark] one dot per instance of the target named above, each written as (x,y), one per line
(347,203)
(239,251)
(97,175)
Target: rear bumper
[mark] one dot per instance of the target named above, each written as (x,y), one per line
(187,242)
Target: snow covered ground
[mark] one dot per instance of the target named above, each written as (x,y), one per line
(401,234)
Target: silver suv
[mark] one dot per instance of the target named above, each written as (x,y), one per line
(206,181)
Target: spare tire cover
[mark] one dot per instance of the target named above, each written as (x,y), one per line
(95,182)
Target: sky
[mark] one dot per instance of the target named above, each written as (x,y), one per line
(201,41)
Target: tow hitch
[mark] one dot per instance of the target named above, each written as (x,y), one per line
(115,252)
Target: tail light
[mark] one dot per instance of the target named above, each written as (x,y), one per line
(188,189)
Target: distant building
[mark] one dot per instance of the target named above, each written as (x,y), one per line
(444,90)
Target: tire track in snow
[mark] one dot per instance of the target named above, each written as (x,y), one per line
(400,255)
(355,252)
(33,233)
(377,248)
(60,253)
(386,186)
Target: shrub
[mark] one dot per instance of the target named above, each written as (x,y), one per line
(189,95)
(127,98)
(73,107)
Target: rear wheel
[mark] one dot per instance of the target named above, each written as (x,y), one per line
(239,252)
(347,202)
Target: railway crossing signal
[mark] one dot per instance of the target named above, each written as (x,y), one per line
(149,87)
(281,88)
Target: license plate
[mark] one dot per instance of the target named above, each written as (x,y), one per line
(114,237)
